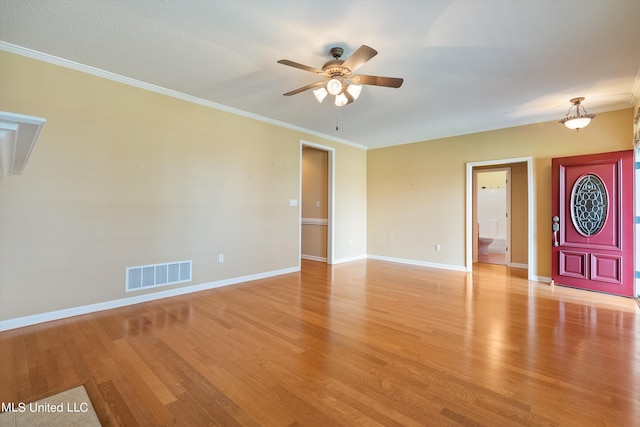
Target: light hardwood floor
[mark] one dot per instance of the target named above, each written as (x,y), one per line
(491,258)
(366,343)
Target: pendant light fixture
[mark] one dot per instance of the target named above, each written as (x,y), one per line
(344,93)
(580,118)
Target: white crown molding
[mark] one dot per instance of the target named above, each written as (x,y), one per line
(40,56)
(18,136)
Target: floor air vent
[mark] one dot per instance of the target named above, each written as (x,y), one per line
(149,276)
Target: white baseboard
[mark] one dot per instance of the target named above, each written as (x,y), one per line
(313,258)
(542,279)
(420,263)
(518,265)
(91,308)
(349,259)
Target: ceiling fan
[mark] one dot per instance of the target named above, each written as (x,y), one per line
(338,77)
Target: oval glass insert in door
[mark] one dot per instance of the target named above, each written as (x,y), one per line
(589,205)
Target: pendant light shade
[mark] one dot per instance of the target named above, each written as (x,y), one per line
(580,118)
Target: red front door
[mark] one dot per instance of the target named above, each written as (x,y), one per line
(592,222)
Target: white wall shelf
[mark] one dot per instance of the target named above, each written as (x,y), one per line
(18,136)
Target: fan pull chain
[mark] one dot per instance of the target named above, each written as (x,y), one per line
(337,119)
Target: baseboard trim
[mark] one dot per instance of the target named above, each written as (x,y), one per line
(349,259)
(518,265)
(313,258)
(20,322)
(420,263)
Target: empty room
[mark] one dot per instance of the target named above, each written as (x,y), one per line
(319,213)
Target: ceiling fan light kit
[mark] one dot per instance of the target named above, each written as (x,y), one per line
(339,79)
(334,87)
(580,119)
(342,100)
(320,94)
(354,90)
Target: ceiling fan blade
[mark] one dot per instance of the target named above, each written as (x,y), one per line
(359,57)
(300,66)
(303,88)
(377,80)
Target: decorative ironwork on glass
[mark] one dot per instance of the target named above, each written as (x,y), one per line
(589,205)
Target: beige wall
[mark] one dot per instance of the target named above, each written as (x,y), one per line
(315,193)
(121,177)
(315,183)
(350,227)
(416,192)
(519,217)
(491,179)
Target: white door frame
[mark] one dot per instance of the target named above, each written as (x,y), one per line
(331,197)
(636,196)
(531,214)
(475,235)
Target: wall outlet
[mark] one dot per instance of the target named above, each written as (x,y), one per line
(221,258)
(437,247)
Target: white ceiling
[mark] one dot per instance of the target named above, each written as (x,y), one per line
(468,66)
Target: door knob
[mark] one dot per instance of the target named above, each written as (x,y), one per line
(555,227)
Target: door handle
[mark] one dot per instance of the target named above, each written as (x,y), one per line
(555,227)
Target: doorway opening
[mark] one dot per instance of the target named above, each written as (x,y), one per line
(523,219)
(491,212)
(317,165)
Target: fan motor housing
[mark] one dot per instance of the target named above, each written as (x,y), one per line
(334,68)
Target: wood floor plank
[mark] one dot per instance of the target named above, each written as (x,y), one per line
(112,398)
(162,393)
(366,343)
